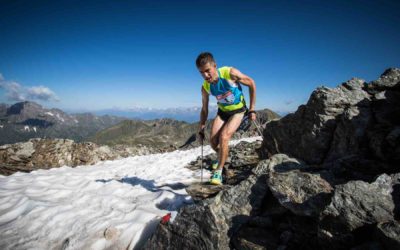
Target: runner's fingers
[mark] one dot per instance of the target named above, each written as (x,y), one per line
(252,116)
(201,135)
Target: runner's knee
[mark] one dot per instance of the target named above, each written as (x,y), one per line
(214,142)
(225,137)
(214,139)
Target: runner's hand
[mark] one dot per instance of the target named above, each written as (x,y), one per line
(252,115)
(201,134)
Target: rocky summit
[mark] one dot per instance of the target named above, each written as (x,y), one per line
(325,177)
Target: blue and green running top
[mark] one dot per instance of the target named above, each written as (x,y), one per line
(228,93)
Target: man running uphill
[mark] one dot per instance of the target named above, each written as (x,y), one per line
(225,84)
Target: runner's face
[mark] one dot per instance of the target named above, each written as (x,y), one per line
(209,72)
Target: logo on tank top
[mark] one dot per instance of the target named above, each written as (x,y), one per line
(226,98)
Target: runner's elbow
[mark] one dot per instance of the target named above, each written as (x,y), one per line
(252,85)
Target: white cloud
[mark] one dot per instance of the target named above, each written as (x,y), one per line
(17,92)
(41,93)
(14,91)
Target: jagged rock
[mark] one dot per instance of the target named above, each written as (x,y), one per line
(354,205)
(243,154)
(209,224)
(384,135)
(396,195)
(308,133)
(355,125)
(368,245)
(200,191)
(389,234)
(286,232)
(272,207)
(388,79)
(48,153)
(261,221)
(301,192)
(256,238)
(125,151)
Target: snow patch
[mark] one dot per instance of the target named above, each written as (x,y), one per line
(60,118)
(49,113)
(113,204)
(26,128)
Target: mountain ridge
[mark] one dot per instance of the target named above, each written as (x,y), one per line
(167,133)
(25,120)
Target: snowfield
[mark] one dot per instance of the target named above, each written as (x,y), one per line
(113,204)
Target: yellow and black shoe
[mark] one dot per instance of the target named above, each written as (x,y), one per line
(216,179)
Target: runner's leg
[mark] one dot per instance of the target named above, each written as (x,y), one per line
(216,126)
(225,135)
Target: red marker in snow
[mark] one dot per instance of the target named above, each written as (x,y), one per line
(165,219)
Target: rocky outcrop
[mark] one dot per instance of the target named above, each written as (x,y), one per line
(316,130)
(49,153)
(355,205)
(208,224)
(330,181)
(354,128)
(389,234)
(302,192)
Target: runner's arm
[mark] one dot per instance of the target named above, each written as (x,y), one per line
(204,108)
(239,77)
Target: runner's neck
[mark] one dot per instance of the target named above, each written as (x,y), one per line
(218,79)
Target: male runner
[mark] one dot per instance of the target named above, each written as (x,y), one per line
(225,84)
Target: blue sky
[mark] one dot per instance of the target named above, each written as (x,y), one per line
(84,55)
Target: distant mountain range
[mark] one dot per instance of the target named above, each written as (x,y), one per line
(25,120)
(167,133)
(189,114)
